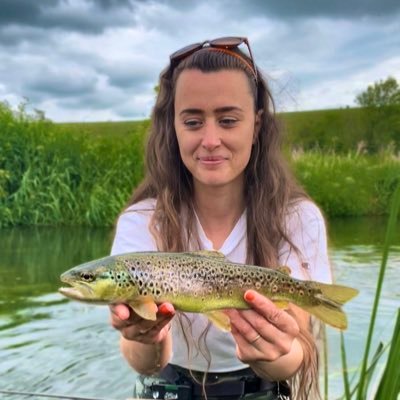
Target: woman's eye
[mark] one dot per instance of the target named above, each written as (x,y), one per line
(228,121)
(192,123)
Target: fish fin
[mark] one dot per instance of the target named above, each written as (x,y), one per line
(283,304)
(208,253)
(331,298)
(220,320)
(145,307)
(285,270)
(332,316)
(336,293)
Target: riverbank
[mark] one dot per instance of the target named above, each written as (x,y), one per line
(63,175)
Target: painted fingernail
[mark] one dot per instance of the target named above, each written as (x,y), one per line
(164,309)
(249,296)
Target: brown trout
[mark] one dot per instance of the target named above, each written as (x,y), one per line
(200,282)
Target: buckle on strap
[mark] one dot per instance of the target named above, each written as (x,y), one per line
(235,383)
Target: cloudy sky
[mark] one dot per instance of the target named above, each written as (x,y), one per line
(99,60)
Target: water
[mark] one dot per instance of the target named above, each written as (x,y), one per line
(49,344)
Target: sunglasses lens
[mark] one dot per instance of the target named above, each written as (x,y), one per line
(186,51)
(229,42)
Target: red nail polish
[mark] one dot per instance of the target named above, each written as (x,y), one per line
(249,296)
(164,309)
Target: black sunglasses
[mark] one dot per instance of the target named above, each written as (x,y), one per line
(226,43)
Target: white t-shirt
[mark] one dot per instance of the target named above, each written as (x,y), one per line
(306,229)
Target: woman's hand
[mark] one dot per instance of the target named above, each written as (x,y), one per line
(135,328)
(264,332)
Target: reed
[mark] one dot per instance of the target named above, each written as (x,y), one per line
(51,176)
(348,184)
(389,383)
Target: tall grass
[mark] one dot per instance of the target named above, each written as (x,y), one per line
(348,184)
(389,384)
(77,174)
(50,176)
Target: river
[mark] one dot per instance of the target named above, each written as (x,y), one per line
(51,345)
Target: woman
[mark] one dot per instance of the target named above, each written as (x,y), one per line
(216,180)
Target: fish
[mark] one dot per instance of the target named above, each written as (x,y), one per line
(199,282)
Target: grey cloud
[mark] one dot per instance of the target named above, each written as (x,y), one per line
(311,8)
(23,12)
(66,14)
(60,84)
(128,75)
(11,36)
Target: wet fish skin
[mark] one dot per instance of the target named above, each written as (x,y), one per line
(200,282)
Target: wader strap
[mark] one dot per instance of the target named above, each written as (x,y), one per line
(228,384)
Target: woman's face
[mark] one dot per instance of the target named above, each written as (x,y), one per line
(216,125)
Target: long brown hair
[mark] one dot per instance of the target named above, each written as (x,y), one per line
(270,189)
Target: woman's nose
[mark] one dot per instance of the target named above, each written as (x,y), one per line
(211,137)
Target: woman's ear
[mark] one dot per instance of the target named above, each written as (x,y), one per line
(257,124)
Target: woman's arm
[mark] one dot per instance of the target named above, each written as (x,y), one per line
(267,338)
(146,345)
(285,343)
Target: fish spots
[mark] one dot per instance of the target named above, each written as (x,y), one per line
(121,279)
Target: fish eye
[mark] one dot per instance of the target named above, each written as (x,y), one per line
(86,276)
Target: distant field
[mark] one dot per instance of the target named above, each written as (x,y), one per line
(339,130)
(118,128)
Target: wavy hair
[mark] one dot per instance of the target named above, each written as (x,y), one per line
(270,188)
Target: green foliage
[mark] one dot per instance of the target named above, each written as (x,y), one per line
(362,130)
(51,176)
(348,185)
(381,106)
(83,174)
(380,94)
(389,386)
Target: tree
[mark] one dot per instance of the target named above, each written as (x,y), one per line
(381,109)
(381,94)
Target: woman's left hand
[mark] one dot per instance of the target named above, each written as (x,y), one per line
(264,332)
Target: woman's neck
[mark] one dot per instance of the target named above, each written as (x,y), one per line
(218,210)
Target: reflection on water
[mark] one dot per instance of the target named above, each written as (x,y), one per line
(48,344)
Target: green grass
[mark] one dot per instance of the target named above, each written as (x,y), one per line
(389,382)
(343,130)
(51,176)
(350,184)
(120,129)
(83,174)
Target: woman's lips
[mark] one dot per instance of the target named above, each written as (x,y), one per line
(211,160)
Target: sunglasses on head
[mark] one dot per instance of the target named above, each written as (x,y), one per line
(224,43)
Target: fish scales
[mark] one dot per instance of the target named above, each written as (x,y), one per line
(208,281)
(203,282)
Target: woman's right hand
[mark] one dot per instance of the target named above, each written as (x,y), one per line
(135,328)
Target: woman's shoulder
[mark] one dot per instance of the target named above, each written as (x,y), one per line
(142,207)
(137,214)
(140,211)
(132,231)
(304,212)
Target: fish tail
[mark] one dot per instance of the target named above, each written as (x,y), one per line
(331,298)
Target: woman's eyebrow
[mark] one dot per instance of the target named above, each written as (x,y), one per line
(217,110)
(191,111)
(228,109)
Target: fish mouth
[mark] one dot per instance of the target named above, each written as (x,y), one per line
(78,291)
